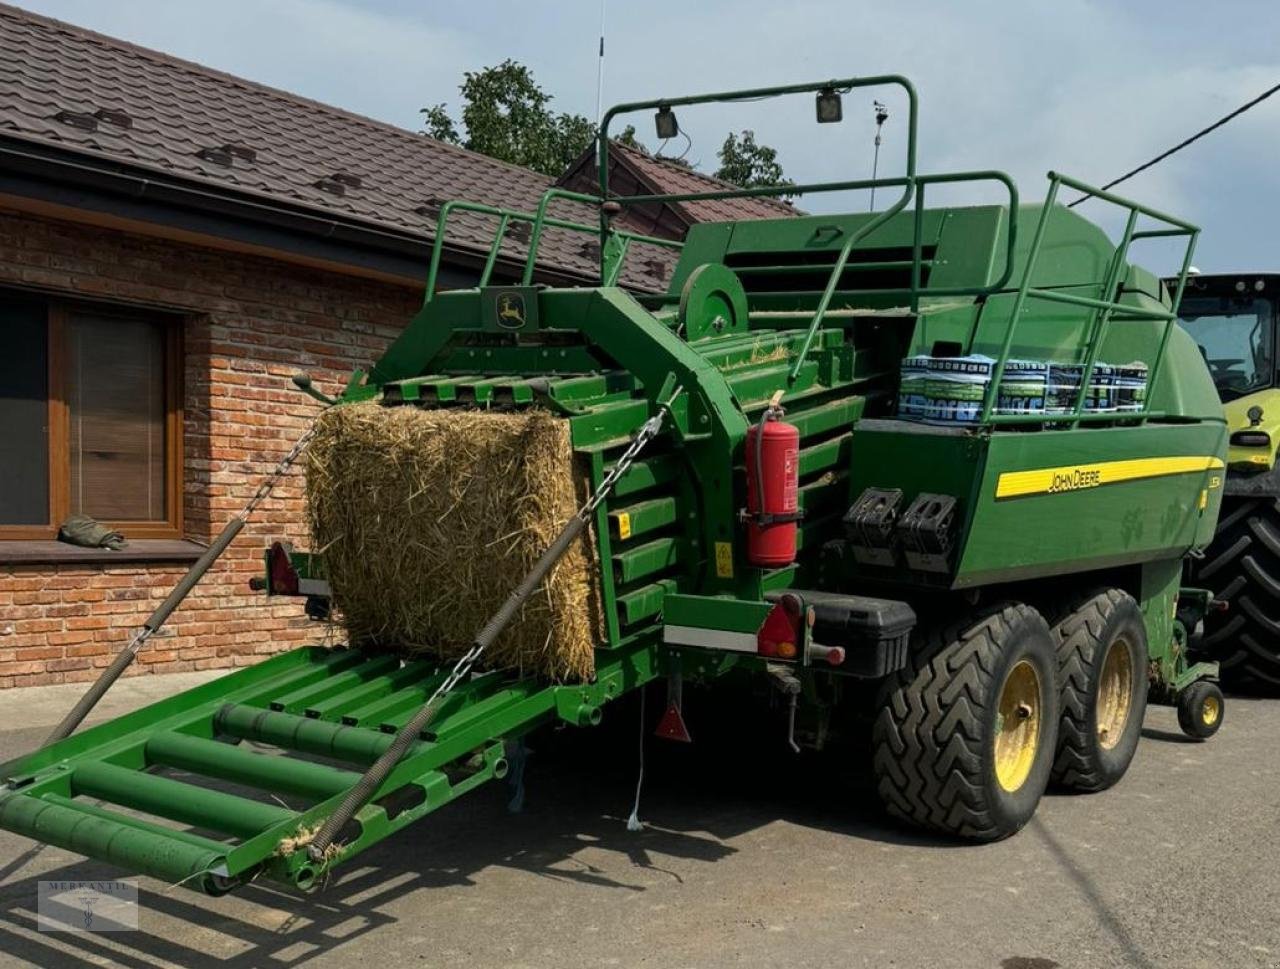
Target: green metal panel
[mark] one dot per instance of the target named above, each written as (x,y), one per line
(648,559)
(715,612)
(1077,524)
(1070,521)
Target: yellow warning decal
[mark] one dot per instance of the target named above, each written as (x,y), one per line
(624,525)
(724,560)
(1078,477)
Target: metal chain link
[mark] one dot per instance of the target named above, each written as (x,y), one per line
(648,430)
(286,462)
(264,489)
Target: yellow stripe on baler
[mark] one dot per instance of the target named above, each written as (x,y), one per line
(1078,477)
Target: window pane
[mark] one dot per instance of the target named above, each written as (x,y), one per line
(115,394)
(24,413)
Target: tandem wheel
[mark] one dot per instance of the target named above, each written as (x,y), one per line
(1200,709)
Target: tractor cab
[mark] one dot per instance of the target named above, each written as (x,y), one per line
(1232,318)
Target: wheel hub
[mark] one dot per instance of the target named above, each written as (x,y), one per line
(1115,693)
(1211,710)
(1017,726)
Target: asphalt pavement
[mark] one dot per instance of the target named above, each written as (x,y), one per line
(750,857)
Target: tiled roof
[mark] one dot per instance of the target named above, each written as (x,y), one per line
(81,91)
(667,176)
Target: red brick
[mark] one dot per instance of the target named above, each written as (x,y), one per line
(254,321)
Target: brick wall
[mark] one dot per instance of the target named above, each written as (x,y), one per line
(250,323)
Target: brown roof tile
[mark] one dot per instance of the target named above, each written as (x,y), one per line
(57,82)
(667,176)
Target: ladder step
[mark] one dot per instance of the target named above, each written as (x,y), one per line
(167,798)
(282,775)
(303,734)
(150,849)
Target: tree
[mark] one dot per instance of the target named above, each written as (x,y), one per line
(507,116)
(747,164)
(628,138)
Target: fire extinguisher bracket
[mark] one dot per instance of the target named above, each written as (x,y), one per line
(766,518)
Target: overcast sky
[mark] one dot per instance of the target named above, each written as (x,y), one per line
(1083,86)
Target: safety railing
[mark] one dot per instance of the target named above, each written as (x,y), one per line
(1104,309)
(912,186)
(614,245)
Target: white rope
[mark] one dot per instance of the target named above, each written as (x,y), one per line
(634,823)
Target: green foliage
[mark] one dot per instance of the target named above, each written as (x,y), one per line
(628,138)
(747,164)
(507,116)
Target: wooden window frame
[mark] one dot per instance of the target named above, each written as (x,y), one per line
(59,440)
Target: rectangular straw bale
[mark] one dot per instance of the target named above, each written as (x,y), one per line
(428,519)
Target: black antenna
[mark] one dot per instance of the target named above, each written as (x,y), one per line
(882,115)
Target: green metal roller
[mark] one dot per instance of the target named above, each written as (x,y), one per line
(126,844)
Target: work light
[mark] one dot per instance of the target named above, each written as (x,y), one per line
(830,109)
(665,123)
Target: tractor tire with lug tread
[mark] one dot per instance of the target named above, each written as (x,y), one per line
(1200,709)
(1242,567)
(1102,689)
(964,739)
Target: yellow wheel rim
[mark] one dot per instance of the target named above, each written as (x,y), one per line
(1115,692)
(1017,726)
(1210,711)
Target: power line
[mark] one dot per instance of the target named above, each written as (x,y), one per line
(1183,144)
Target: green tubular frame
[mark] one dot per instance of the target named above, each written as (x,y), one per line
(50,792)
(1103,308)
(611,261)
(912,185)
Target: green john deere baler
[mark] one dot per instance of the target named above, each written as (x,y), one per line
(990,526)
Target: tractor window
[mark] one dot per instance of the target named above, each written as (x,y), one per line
(1235,334)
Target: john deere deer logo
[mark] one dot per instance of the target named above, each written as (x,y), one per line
(511,311)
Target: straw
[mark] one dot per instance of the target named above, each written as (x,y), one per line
(430,517)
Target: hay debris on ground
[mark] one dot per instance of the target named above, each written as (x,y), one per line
(428,519)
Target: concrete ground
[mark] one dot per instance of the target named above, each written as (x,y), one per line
(749,859)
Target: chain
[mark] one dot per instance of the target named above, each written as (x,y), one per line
(140,638)
(648,430)
(269,482)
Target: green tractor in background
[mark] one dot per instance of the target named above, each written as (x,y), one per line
(1233,318)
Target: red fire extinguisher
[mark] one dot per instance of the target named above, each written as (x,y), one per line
(773,460)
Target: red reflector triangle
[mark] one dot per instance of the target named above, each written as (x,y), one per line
(671,726)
